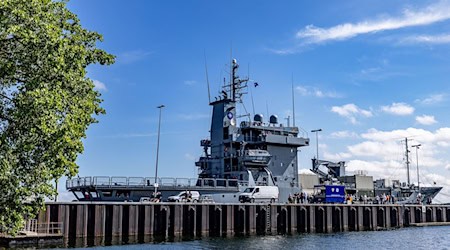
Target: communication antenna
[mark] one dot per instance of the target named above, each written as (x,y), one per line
(293,101)
(207,78)
(231,69)
(251,92)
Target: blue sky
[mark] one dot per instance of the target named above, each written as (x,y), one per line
(368,73)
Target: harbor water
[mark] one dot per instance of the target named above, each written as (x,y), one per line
(405,238)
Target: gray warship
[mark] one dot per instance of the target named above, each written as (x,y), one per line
(241,152)
(404,192)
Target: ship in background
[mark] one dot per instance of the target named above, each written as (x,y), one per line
(361,184)
(240,153)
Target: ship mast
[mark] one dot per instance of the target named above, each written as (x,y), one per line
(236,83)
(234,67)
(407,159)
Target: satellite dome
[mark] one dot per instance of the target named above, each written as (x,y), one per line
(258,118)
(273,119)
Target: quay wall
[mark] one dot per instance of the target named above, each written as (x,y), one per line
(135,220)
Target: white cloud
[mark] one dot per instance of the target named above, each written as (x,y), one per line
(303,90)
(344,134)
(190,82)
(377,169)
(372,70)
(336,157)
(443,144)
(389,145)
(425,16)
(311,91)
(351,111)
(367,148)
(133,56)
(395,135)
(99,85)
(431,178)
(398,109)
(427,39)
(377,150)
(432,99)
(443,134)
(426,119)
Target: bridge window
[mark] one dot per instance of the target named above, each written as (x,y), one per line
(107,193)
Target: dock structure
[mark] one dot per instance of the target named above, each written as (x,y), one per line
(43,234)
(135,221)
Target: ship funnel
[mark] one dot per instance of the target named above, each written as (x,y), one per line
(258,118)
(273,119)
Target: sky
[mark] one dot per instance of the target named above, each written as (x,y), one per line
(368,73)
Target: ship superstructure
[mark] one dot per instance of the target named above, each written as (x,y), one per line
(256,151)
(240,152)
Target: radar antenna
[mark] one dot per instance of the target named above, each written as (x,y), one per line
(293,101)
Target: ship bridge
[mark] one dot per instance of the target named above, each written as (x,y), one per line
(257,132)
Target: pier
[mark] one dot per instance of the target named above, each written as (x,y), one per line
(135,221)
(47,234)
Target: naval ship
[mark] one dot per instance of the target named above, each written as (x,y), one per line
(407,192)
(404,192)
(239,153)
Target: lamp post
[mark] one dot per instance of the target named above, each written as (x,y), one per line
(157,149)
(317,141)
(417,162)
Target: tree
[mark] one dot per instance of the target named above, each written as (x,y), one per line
(47,102)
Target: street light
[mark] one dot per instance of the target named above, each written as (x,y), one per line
(417,162)
(157,149)
(317,141)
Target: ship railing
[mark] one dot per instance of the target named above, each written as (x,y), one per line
(134,182)
(217,182)
(79,182)
(102,181)
(119,181)
(176,182)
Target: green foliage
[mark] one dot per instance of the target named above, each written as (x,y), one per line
(46,102)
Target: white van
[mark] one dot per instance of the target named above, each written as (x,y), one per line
(260,194)
(183,196)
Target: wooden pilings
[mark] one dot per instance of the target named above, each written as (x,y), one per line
(141,221)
